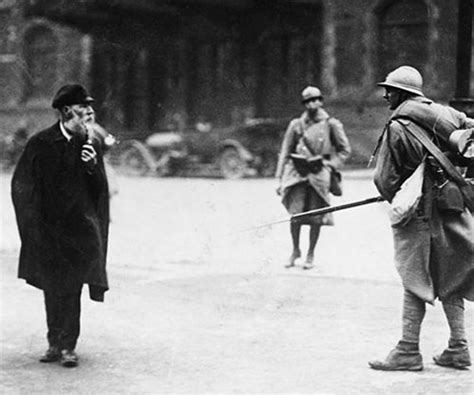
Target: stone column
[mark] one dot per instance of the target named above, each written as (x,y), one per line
(86,59)
(328,61)
(463,99)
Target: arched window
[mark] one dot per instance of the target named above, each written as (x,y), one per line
(40,50)
(403,34)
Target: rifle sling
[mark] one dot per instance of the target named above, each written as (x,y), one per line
(420,134)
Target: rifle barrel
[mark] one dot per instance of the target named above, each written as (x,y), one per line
(331,209)
(319,211)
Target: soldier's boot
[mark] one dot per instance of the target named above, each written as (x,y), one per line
(455,356)
(405,356)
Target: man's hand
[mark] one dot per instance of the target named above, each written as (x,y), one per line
(88,154)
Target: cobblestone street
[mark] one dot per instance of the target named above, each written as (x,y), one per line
(201,303)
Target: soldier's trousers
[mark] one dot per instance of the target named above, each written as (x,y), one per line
(414,312)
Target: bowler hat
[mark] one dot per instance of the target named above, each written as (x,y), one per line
(71,94)
(309,93)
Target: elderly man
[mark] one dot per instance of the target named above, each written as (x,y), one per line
(60,196)
(434,248)
(319,138)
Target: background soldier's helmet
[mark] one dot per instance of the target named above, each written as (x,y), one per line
(310,92)
(406,78)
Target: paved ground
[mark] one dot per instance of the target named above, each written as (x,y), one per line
(198,305)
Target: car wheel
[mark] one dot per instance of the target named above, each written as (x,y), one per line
(231,164)
(133,163)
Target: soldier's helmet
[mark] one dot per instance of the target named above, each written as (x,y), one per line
(309,93)
(406,78)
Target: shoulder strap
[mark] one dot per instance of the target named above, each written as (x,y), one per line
(302,136)
(419,133)
(300,129)
(331,133)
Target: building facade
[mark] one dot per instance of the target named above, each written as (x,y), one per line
(157,65)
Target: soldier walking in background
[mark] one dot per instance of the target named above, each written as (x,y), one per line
(61,201)
(321,139)
(434,250)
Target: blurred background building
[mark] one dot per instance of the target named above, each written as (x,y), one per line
(165,64)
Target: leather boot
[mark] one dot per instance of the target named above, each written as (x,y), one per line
(455,356)
(69,358)
(405,356)
(52,354)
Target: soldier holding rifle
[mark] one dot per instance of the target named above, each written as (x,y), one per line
(434,250)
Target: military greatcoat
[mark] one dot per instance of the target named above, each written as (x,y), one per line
(434,251)
(324,136)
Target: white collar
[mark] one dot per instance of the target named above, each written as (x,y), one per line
(64,131)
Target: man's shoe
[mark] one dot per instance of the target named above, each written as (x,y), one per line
(456,357)
(400,359)
(69,359)
(52,354)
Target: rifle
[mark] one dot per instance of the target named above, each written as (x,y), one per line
(323,210)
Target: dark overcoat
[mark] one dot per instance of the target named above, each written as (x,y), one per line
(434,251)
(62,212)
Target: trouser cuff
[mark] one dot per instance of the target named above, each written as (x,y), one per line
(408,346)
(457,344)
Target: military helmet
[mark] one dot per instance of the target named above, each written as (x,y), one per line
(310,92)
(406,78)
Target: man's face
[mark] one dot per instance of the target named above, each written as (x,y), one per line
(393,98)
(78,118)
(314,104)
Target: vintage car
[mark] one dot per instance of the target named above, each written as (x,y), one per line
(250,149)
